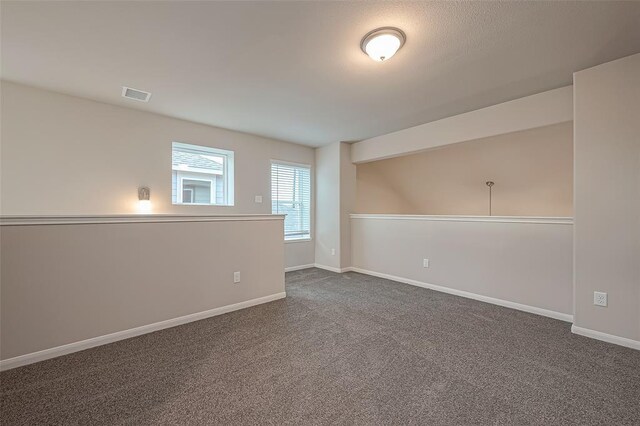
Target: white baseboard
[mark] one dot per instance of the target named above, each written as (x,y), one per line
(468,295)
(609,338)
(299,267)
(331,268)
(132,332)
(317,265)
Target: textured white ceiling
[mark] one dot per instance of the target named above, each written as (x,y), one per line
(294,70)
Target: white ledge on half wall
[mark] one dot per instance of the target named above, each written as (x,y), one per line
(457,218)
(131,218)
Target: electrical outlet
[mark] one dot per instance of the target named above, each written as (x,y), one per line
(333,252)
(599,298)
(236,277)
(425,263)
(258,199)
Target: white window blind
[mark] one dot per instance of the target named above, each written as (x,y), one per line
(291,195)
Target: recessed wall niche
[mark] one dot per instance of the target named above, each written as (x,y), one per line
(532,171)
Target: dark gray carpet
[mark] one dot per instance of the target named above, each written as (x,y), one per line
(341,349)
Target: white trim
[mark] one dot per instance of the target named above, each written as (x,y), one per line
(332,268)
(609,338)
(196,170)
(298,268)
(203,204)
(456,218)
(298,240)
(132,332)
(131,218)
(201,149)
(290,163)
(507,304)
(180,178)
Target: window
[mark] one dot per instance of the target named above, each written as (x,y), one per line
(291,195)
(201,175)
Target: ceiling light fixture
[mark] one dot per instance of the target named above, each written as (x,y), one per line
(382,43)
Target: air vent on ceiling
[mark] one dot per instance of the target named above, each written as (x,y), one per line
(135,94)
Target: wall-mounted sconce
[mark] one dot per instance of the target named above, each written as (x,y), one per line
(490,185)
(144,200)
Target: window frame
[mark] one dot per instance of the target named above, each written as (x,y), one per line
(182,176)
(182,194)
(311,195)
(227,174)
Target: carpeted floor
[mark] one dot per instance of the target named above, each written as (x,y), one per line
(341,349)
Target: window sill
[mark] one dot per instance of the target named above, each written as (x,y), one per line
(298,240)
(202,204)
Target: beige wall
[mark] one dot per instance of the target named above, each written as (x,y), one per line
(347,202)
(539,110)
(335,188)
(328,206)
(66,283)
(532,171)
(607,197)
(63,155)
(524,263)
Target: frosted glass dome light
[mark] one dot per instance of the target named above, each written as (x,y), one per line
(382,43)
